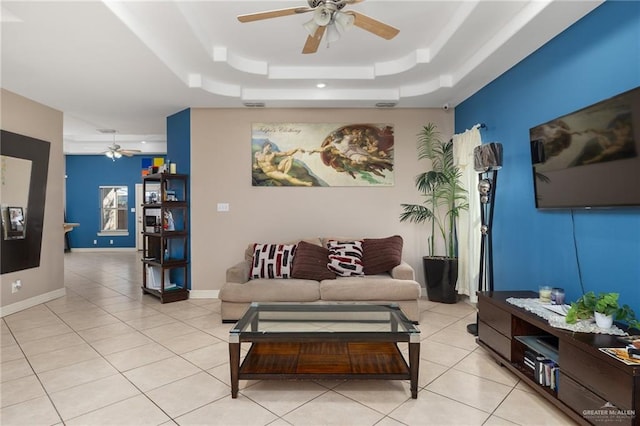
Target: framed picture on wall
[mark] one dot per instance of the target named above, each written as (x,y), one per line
(322,154)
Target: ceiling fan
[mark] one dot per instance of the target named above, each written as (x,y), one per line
(327,17)
(115,151)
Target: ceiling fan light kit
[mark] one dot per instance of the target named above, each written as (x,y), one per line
(322,16)
(311,27)
(344,21)
(113,154)
(332,34)
(115,151)
(328,18)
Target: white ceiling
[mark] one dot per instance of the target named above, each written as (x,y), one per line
(128,65)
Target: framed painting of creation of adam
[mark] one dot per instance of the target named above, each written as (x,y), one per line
(322,154)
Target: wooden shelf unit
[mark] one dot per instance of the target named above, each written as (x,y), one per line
(588,380)
(165,250)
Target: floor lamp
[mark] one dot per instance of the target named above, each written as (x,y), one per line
(487,160)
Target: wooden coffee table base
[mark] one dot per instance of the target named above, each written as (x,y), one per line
(324,360)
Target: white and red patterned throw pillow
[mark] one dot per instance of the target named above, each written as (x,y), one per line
(272,260)
(345,258)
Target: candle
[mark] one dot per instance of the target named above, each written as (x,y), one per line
(545,294)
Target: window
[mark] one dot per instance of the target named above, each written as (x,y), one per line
(114,209)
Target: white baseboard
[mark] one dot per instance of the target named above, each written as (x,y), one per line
(97,249)
(28,303)
(203,294)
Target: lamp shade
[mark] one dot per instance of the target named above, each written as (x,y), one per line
(322,16)
(487,157)
(311,27)
(344,21)
(332,33)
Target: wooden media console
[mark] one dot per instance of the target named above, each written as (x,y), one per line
(589,386)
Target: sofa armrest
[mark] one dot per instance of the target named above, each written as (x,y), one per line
(239,273)
(403,271)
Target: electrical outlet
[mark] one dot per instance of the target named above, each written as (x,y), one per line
(110,241)
(95,242)
(16,286)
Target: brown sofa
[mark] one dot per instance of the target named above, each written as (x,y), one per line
(380,283)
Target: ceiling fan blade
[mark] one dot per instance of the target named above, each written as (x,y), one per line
(374,26)
(273,14)
(313,42)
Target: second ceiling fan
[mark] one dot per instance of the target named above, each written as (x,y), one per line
(329,18)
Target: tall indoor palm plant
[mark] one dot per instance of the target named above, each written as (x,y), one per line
(443,200)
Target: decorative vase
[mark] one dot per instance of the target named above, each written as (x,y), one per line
(603,321)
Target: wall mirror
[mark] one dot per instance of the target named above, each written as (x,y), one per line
(15,175)
(24,164)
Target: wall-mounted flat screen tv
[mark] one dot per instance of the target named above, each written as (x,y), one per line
(590,157)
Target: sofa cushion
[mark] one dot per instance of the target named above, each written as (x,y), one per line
(324,241)
(345,258)
(272,260)
(369,287)
(310,263)
(381,254)
(248,253)
(271,290)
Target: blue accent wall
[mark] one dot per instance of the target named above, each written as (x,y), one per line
(85,174)
(179,152)
(596,58)
(179,140)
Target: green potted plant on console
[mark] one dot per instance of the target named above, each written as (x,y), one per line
(443,199)
(604,307)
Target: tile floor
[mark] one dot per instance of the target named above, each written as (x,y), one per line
(106,355)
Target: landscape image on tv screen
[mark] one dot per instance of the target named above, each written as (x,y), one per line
(589,158)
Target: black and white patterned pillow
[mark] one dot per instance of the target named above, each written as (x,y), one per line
(272,260)
(345,258)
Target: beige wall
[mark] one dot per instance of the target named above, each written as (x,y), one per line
(23,116)
(221,173)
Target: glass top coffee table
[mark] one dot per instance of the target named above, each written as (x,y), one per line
(324,341)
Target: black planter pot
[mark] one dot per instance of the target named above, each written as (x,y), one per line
(441,276)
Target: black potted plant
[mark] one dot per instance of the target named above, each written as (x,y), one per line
(443,199)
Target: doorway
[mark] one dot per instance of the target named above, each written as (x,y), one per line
(139,213)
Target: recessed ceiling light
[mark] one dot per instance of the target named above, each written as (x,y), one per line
(143,141)
(321,85)
(385,104)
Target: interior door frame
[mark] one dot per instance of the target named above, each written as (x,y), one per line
(139,212)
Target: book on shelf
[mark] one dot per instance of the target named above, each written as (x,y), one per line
(154,279)
(546,372)
(530,359)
